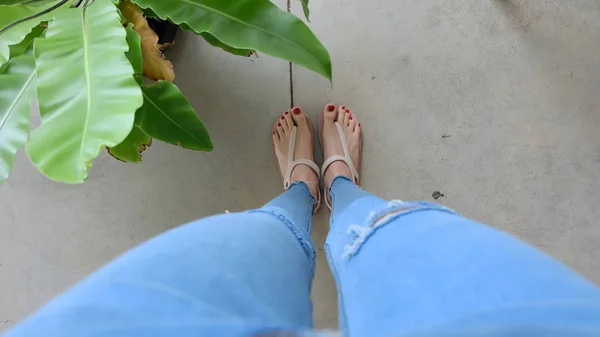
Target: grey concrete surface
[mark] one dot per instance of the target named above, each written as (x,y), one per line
(493,103)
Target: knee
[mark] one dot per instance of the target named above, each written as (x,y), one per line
(257,225)
(357,233)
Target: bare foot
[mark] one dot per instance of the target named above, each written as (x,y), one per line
(330,140)
(282,131)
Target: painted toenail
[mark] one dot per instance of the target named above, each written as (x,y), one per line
(343,107)
(347,110)
(282,117)
(287,112)
(296,111)
(278,124)
(350,118)
(330,107)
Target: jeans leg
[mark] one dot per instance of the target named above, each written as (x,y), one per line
(297,203)
(227,275)
(343,192)
(420,267)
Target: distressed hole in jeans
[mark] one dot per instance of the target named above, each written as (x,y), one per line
(375,221)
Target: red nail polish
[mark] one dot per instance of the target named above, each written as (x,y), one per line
(296,111)
(350,118)
(282,117)
(347,110)
(358,124)
(343,107)
(330,107)
(278,124)
(287,112)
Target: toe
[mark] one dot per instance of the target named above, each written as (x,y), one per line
(274,131)
(350,115)
(329,113)
(341,115)
(298,115)
(283,122)
(357,128)
(351,122)
(345,117)
(289,122)
(280,129)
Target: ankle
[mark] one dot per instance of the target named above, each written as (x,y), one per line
(307,176)
(313,187)
(336,169)
(337,180)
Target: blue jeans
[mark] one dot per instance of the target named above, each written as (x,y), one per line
(401,268)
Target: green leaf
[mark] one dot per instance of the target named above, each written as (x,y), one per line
(21,47)
(130,149)
(12,2)
(10,33)
(149,13)
(305,9)
(167,115)
(122,19)
(15,97)
(216,43)
(134,54)
(25,2)
(39,3)
(249,24)
(86,91)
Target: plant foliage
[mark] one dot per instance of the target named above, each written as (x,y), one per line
(84,62)
(249,24)
(96,108)
(19,79)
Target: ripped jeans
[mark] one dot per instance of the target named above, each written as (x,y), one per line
(413,268)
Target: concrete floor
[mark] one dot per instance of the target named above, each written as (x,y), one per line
(493,103)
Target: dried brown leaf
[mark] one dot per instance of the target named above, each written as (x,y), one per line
(155,65)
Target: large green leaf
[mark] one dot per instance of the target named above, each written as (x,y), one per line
(134,54)
(216,43)
(131,148)
(167,115)
(249,24)
(213,41)
(25,2)
(16,95)
(149,13)
(21,47)
(12,2)
(86,92)
(11,34)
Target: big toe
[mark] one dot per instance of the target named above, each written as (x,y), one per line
(329,113)
(299,116)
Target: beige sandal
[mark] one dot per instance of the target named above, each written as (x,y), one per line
(345,158)
(293,163)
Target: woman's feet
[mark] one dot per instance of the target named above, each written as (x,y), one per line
(332,144)
(282,133)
